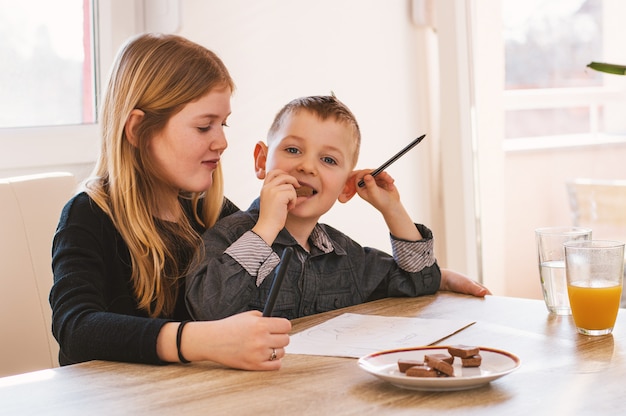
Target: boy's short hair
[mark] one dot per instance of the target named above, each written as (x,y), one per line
(324,107)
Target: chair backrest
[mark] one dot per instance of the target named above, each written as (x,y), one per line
(600,205)
(31,206)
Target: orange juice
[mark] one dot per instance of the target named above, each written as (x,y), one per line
(594,308)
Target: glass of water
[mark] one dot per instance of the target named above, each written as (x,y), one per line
(551,256)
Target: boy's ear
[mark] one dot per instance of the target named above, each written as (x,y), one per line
(349,189)
(130,127)
(260,157)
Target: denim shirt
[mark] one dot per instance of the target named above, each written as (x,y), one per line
(336,273)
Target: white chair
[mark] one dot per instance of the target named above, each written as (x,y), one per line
(31,206)
(599,204)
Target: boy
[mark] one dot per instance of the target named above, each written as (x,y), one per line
(307,164)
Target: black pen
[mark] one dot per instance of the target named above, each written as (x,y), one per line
(278,280)
(393,159)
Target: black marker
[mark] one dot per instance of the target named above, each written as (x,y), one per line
(278,280)
(393,159)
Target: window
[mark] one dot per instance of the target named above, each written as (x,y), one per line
(64,138)
(48,63)
(549,91)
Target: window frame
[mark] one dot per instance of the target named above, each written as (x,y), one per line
(35,148)
(593,98)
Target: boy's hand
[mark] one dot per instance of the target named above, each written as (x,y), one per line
(457,282)
(383,195)
(379,191)
(278,196)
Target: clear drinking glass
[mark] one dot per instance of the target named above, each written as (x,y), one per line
(552,264)
(595,274)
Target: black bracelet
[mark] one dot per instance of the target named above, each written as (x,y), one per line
(179,336)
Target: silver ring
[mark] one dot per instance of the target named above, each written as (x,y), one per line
(273,356)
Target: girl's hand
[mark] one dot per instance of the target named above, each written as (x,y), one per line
(245,341)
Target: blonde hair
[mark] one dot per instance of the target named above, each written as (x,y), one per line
(323,107)
(158,74)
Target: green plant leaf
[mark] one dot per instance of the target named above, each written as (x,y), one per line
(608,68)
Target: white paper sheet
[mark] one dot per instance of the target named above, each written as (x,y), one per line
(355,335)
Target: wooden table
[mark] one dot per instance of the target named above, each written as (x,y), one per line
(562,373)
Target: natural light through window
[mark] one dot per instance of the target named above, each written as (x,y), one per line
(47,59)
(549,91)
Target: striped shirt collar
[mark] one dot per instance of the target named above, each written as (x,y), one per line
(320,239)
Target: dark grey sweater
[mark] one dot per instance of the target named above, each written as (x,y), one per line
(94,312)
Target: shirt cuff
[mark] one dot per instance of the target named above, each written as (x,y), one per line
(413,256)
(254,255)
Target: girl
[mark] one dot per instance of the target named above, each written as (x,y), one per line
(125,242)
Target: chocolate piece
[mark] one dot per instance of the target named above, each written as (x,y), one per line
(304,191)
(473,361)
(463,351)
(440,365)
(421,371)
(403,365)
(443,357)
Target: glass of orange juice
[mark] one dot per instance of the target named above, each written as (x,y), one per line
(595,273)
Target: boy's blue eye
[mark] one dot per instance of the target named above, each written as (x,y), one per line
(329,160)
(291,150)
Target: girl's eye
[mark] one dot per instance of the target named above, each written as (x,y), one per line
(329,160)
(204,129)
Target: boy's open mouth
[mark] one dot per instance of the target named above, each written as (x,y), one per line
(305,190)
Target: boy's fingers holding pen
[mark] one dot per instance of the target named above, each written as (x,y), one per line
(369,186)
(364,178)
(382,180)
(361,175)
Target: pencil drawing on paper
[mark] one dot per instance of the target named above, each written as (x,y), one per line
(353,335)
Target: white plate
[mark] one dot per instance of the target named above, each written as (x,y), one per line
(384,364)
